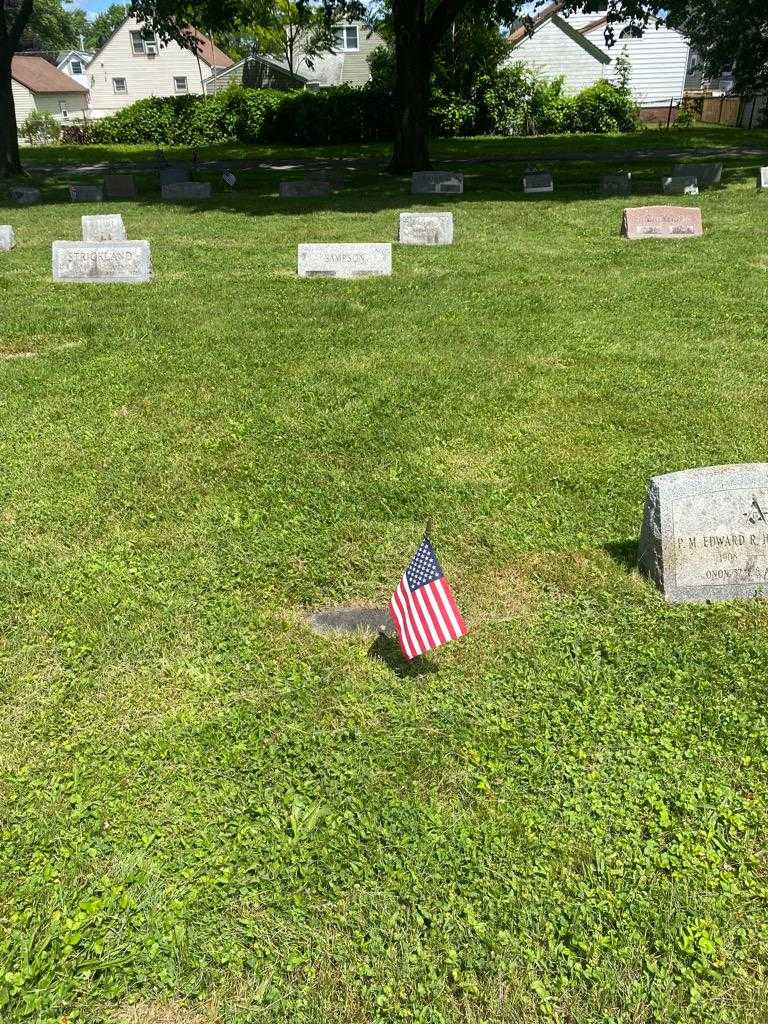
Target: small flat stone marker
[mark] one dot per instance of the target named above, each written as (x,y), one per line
(85,193)
(350,620)
(306,188)
(186,190)
(680,186)
(426,228)
(661,222)
(106,228)
(345,259)
(25,196)
(533,183)
(173,174)
(705,533)
(706,175)
(762,177)
(102,262)
(119,186)
(7,238)
(442,183)
(616,184)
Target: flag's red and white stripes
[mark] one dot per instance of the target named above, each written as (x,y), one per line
(426,617)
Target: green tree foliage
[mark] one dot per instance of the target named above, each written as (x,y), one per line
(105,24)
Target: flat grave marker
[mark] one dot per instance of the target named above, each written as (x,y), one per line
(616,184)
(538,182)
(85,193)
(706,174)
(186,190)
(25,196)
(762,177)
(119,186)
(680,186)
(345,259)
(306,188)
(349,619)
(705,533)
(102,262)
(661,222)
(441,183)
(7,238)
(426,228)
(107,227)
(173,174)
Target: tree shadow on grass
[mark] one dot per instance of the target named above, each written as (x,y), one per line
(624,553)
(387,650)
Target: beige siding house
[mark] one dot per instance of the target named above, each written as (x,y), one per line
(347,63)
(134,65)
(38,85)
(575,48)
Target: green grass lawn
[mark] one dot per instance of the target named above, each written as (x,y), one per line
(209,814)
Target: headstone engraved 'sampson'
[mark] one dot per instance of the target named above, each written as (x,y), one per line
(441,183)
(102,262)
(677,222)
(705,533)
(345,259)
(105,228)
(426,228)
(7,238)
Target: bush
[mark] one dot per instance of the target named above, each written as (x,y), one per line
(503,101)
(603,107)
(40,128)
(450,115)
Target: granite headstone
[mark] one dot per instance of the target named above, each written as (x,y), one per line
(616,184)
(119,186)
(661,222)
(108,227)
(705,174)
(542,182)
(426,228)
(762,177)
(306,188)
(85,193)
(705,533)
(345,259)
(25,196)
(442,183)
(680,186)
(102,262)
(186,190)
(173,174)
(7,238)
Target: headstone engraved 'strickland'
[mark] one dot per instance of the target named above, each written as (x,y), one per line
(7,238)
(538,182)
(661,222)
(108,227)
(426,228)
(705,533)
(102,262)
(346,259)
(442,183)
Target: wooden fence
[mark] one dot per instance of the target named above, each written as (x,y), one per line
(722,110)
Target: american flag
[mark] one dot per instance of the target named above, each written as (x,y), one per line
(423,608)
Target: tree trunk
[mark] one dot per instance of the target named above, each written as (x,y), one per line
(10,161)
(413,70)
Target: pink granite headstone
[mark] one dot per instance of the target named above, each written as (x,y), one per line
(661,222)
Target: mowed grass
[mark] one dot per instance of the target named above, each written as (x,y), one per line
(210,814)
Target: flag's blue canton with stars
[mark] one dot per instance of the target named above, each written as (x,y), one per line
(423,607)
(424,567)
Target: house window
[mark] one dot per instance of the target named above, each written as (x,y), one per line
(143,42)
(120,85)
(76,67)
(180,86)
(345,38)
(631,32)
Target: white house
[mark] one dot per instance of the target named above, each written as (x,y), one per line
(75,63)
(347,62)
(575,47)
(133,65)
(37,85)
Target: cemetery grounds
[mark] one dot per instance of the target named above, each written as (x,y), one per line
(210,814)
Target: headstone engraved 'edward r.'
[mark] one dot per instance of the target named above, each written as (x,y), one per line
(533,183)
(345,259)
(426,228)
(119,186)
(186,190)
(7,238)
(705,174)
(661,222)
(85,193)
(442,183)
(106,228)
(102,262)
(705,533)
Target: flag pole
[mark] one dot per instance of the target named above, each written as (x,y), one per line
(428,528)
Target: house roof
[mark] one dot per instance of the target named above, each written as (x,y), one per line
(264,60)
(83,55)
(209,52)
(546,12)
(579,38)
(38,75)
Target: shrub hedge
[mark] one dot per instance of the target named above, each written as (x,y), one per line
(511,102)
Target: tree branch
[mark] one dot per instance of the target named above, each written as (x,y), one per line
(19,23)
(446,12)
